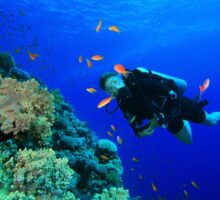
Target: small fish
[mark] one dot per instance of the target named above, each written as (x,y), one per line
(205,85)
(33,56)
(132,169)
(135,159)
(89,63)
(119,140)
(140,177)
(194,184)
(21,12)
(154,187)
(80,59)
(104,157)
(104,102)
(186,194)
(113,127)
(91,90)
(97,57)
(109,133)
(121,70)
(17,50)
(98,27)
(114,28)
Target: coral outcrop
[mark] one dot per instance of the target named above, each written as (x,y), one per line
(46,151)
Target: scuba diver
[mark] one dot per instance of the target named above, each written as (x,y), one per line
(151,99)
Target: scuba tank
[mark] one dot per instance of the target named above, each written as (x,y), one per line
(180,83)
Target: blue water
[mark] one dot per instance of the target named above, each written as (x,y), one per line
(178,37)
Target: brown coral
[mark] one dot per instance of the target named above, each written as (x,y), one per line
(23,104)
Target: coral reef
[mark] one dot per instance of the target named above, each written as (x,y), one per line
(48,152)
(113,194)
(40,173)
(26,107)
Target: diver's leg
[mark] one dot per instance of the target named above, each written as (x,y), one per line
(211,119)
(185,134)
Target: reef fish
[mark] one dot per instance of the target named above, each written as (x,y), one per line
(121,70)
(140,177)
(80,59)
(194,184)
(89,63)
(97,57)
(114,28)
(205,85)
(119,140)
(109,133)
(98,27)
(135,159)
(91,90)
(113,127)
(33,56)
(104,157)
(104,102)
(154,187)
(186,194)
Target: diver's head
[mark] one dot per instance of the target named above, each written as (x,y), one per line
(111,83)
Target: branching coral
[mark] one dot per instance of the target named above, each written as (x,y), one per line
(41,174)
(24,106)
(113,194)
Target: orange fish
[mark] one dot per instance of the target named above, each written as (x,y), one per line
(104,157)
(119,140)
(33,56)
(97,57)
(140,177)
(99,26)
(205,85)
(121,70)
(154,187)
(104,102)
(80,59)
(91,90)
(109,133)
(113,128)
(89,63)
(194,184)
(135,159)
(114,28)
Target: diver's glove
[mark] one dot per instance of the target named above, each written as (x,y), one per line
(172,94)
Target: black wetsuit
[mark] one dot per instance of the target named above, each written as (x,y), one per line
(145,95)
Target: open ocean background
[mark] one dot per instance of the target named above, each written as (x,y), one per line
(176,37)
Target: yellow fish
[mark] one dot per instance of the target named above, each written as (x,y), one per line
(97,57)
(132,169)
(154,187)
(194,184)
(140,177)
(80,59)
(91,90)
(113,128)
(98,27)
(89,63)
(104,102)
(119,140)
(135,159)
(114,28)
(186,194)
(109,133)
